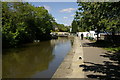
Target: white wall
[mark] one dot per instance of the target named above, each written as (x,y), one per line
(88,34)
(84,34)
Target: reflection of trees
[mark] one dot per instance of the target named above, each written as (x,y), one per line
(24,62)
(59,41)
(109,70)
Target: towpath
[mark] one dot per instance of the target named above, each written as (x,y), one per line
(82,53)
(93,60)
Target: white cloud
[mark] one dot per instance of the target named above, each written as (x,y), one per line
(65,17)
(67,10)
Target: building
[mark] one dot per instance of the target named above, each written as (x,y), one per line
(90,34)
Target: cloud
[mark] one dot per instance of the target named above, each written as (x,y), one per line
(65,17)
(67,10)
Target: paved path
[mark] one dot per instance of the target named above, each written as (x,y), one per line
(92,56)
(70,67)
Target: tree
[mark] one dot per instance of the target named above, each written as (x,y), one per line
(23,23)
(63,28)
(98,16)
(74,26)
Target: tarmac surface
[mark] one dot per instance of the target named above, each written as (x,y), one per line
(69,68)
(82,54)
(92,58)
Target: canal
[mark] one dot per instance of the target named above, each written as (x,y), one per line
(35,60)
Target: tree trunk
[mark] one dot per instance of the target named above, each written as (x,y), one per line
(113,36)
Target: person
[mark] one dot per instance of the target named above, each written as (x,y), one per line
(82,36)
(77,34)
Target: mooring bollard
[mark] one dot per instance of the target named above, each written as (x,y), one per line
(80,57)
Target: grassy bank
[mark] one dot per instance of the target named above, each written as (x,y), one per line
(109,46)
(113,49)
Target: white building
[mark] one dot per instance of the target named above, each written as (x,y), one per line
(91,34)
(84,33)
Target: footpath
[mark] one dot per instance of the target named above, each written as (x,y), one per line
(80,54)
(93,60)
(69,68)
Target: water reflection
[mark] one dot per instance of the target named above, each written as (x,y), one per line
(35,59)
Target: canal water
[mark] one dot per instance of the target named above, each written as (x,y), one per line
(35,60)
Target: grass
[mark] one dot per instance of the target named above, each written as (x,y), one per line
(114,49)
(106,45)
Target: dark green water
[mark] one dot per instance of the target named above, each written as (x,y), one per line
(35,60)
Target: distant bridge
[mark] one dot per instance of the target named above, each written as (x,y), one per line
(60,34)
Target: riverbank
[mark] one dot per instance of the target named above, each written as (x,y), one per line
(35,60)
(91,65)
(69,68)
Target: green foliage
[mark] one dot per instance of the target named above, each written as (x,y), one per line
(99,16)
(22,23)
(63,28)
(74,26)
(60,27)
(113,49)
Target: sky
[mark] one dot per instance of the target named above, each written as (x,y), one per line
(63,12)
